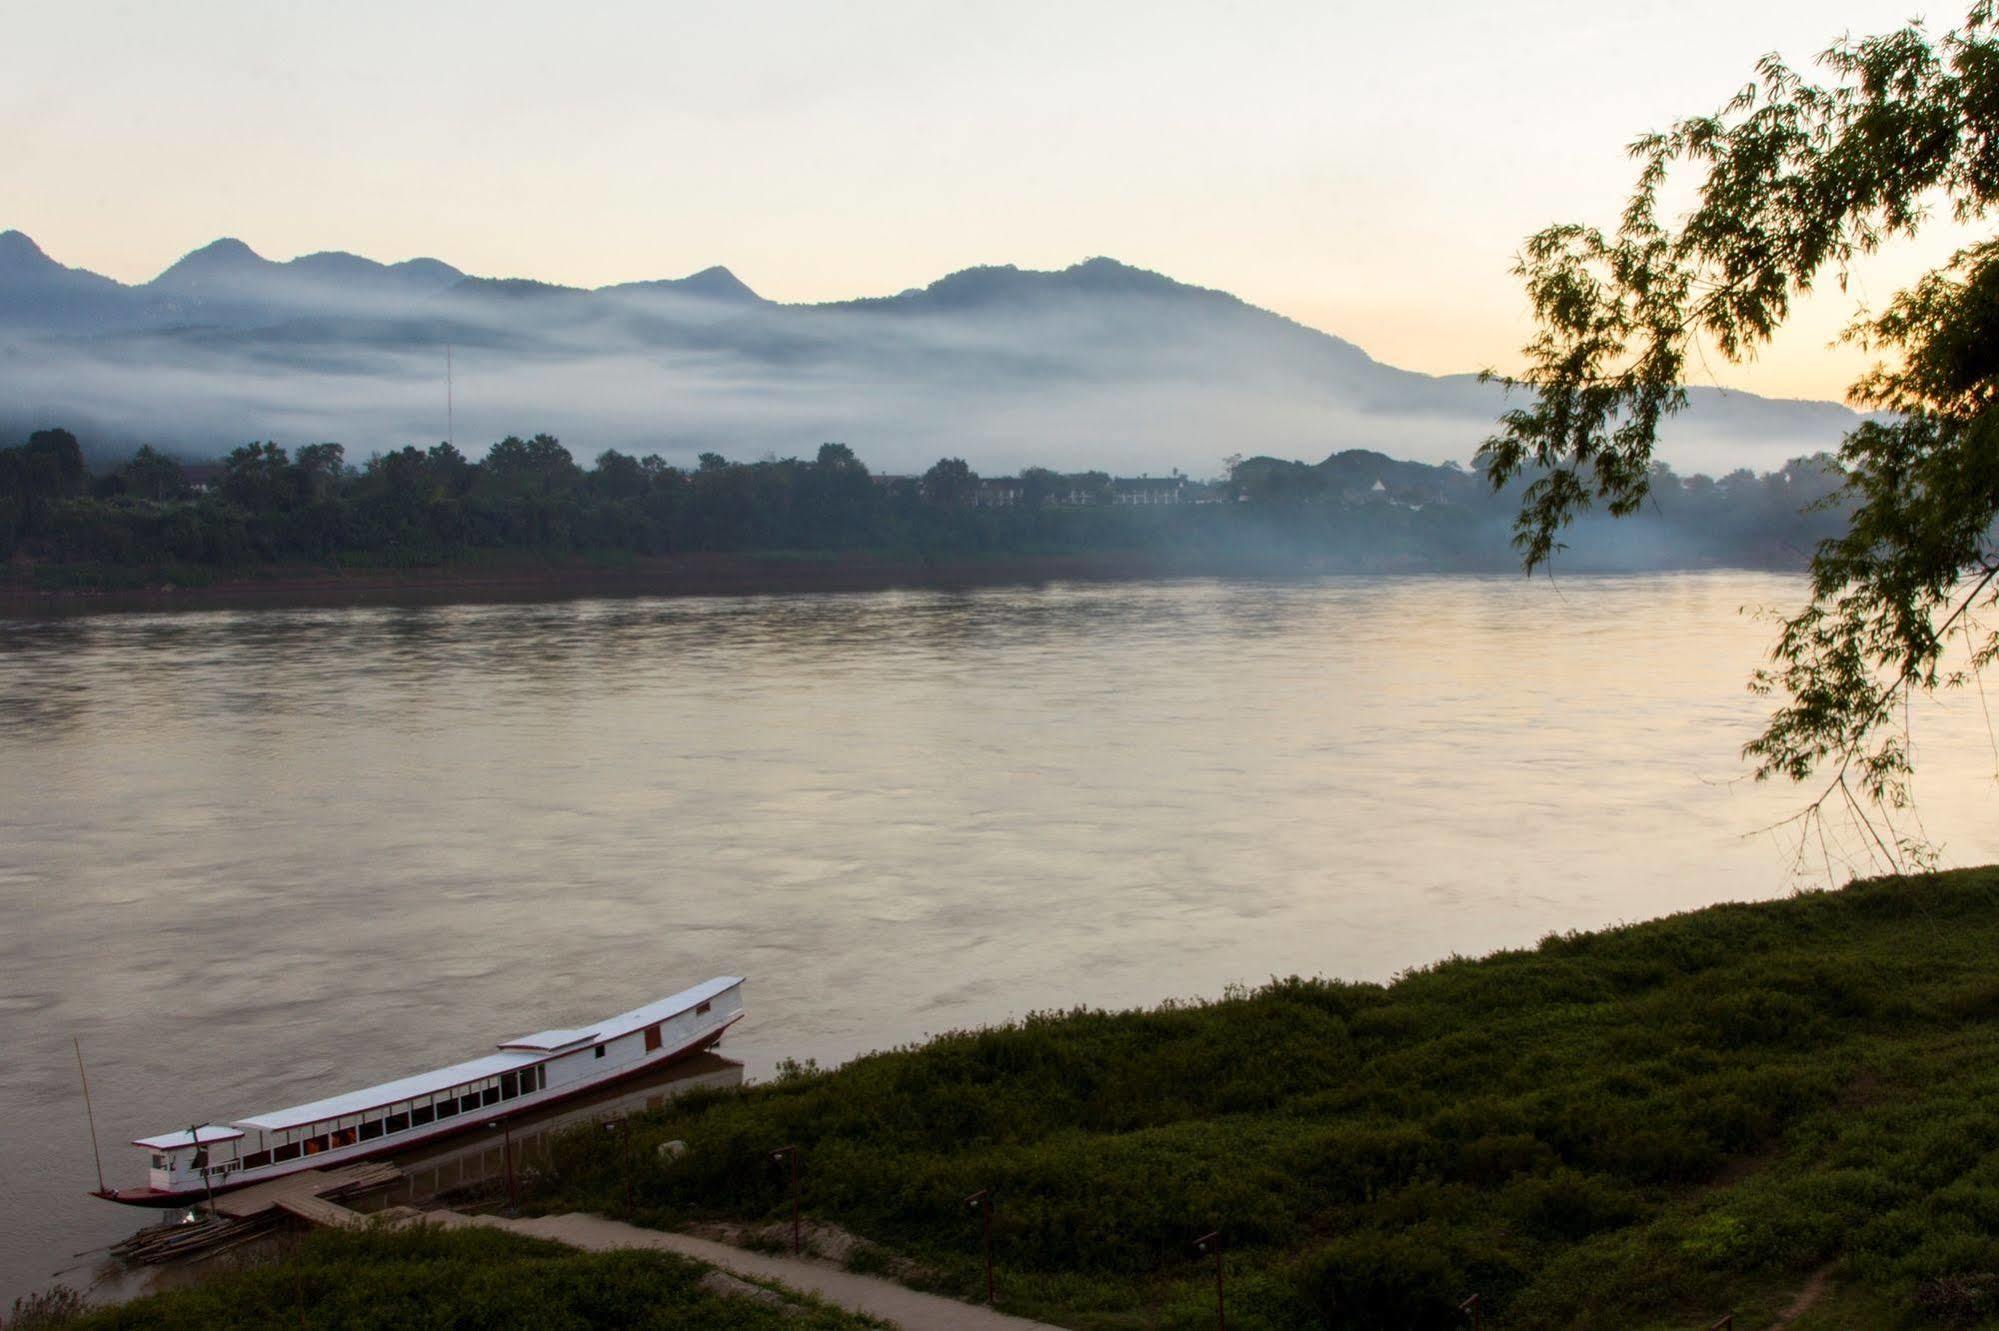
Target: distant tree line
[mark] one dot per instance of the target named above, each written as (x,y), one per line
(415,506)
(1775,519)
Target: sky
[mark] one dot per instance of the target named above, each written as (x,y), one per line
(1367,169)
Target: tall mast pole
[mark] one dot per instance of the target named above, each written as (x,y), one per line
(88,1116)
(450,426)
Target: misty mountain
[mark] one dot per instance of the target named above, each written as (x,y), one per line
(228,284)
(1099,364)
(39,294)
(224,284)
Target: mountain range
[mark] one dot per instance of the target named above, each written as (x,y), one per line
(1099,364)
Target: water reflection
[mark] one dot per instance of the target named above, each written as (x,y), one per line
(476,1161)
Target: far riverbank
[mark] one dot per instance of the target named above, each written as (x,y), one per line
(31,591)
(497,580)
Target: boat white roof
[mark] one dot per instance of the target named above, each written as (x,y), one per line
(526,1050)
(638,1018)
(173,1141)
(388,1092)
(549,1041)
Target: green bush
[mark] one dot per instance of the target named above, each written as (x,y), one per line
(1641,1127)
(1381,1282)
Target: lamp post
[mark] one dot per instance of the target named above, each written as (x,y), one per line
(983,1200)
(1212,1243)
(623,1127)
(780,1153)
(507,1154)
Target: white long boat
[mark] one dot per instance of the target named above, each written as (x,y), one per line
(527,1073)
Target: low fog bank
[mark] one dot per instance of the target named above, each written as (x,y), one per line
(1099,365)
(903,411)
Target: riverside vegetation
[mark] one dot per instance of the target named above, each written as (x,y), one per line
(1731,1109)
(141,523)
(1782,1108)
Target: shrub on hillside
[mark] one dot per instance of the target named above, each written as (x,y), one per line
(1382,1282)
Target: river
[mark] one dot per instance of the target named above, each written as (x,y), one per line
(252,857)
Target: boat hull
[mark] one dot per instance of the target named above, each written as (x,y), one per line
(161,1199)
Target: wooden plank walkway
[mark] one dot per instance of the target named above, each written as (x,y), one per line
(318,1211)
(309,1185)
(249,1213)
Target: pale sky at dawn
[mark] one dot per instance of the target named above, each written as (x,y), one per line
(1367,169)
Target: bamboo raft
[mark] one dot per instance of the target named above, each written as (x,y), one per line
(249,1214)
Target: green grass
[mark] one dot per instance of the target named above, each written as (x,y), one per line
(431,1278)
(1639,1128)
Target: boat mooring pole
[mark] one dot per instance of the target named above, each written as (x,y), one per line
(207,1179)
(88,1116)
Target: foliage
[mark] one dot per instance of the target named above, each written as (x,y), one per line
(1636,1128)
(1795,181)
(152,475)
(58,1305)
(143,523)
(427,1277)
(949,482)
(34,479)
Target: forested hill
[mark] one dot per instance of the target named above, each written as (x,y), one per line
(1356,510)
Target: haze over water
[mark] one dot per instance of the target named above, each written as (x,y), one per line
(252,857)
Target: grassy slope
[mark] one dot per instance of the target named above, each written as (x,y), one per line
(460,1278)
(1638,1128)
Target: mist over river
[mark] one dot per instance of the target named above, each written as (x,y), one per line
(253,857)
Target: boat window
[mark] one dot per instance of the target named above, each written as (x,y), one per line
(345,1137)
(314,1145)
(652,1037)
(286,1152)
(371,1129)
(600,1051)
(422,1114)
(256,1159)
(491,1095)
(468,1103)
(510,1085)
(396,1123)
(447,1108)
(159,1160)
(701,1009)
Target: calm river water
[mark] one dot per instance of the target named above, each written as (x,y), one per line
(250,857)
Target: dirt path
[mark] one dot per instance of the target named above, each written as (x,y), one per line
(1813,1291)
(885,1299)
